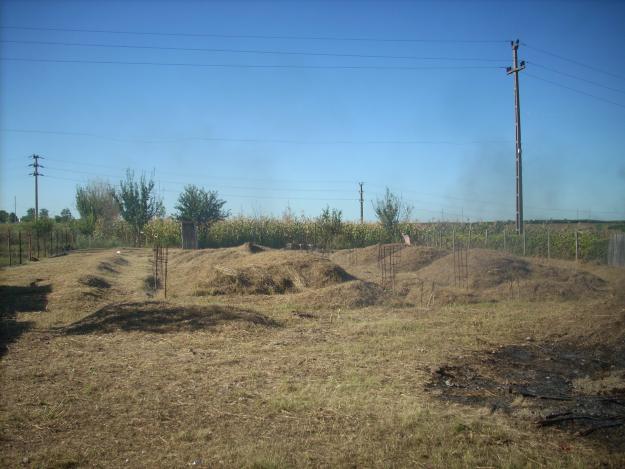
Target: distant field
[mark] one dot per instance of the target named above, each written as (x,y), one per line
(272,358)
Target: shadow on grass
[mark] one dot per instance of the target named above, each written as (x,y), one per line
(154,316)
(17,299)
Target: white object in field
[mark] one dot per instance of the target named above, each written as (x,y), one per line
(119,252)
(406,239)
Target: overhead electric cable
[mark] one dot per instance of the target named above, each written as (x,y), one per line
(575,77)
(555,83)
(258,140)
(253,51)
(252,66)
(573,61)
(256,36)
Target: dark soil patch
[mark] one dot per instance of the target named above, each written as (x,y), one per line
(94,281)
(107,267)
(537,381)
(303,315)
(120,261)
(157,317)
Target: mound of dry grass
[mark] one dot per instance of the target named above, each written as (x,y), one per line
(94,281)
(349,295)
(251,270)
(494,276)
(155,316)
(410,258)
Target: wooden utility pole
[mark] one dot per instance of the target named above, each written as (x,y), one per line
(515,69)
(362,202)
(35,164)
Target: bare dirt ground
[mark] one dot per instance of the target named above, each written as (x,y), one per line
(265,358)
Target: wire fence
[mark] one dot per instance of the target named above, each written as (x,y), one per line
(19,247)
(596,243)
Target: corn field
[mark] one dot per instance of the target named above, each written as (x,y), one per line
(563,241)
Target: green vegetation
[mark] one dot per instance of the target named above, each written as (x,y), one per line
(138,203)
(200,206)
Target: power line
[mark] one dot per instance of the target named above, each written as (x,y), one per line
(252,66)
(212,177)
(241,196)
(575,77)
(278,189)
(252,51)
(573,61)
(258,140)
(355,200)
(575,90)
(258,36)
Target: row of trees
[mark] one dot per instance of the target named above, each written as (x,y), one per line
(101,207)
(65,216)
(135,200)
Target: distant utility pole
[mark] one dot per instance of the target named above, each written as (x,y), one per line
(516,68)
(35,164)
(362,203)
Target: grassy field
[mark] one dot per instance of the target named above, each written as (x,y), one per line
(270,358)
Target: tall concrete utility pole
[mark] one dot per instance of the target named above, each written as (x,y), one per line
(362,201)
(515,69)
(35,164)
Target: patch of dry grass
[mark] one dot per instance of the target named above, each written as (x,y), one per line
(256,381)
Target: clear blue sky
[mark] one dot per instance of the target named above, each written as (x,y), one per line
(266,138)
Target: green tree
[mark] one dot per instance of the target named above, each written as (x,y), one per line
(30,215)
(138,202)
(64,217)
(43,226)
(95,202)
(13,218)
(390,210)
(44,213)
(200,206)
(4,216)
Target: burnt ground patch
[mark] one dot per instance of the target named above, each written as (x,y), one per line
(157,317)
(578,389)
(94,281)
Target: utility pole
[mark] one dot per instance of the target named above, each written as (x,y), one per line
(362,202)
(35,164)
(515,69)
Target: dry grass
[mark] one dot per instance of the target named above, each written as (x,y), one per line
(119,378)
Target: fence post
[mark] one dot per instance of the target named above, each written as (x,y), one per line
(486,239)
(469,244)
(504,239)
(548,244)
(524,242)
(19,235)
(30,246)
(9,247)
(51,245)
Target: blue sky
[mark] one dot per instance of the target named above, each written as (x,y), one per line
(304,134)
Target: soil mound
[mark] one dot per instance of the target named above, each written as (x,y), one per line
(254,270)
(352,294)
(251,248)
(494,276)
(94,281)
(160,317)
(410,258)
